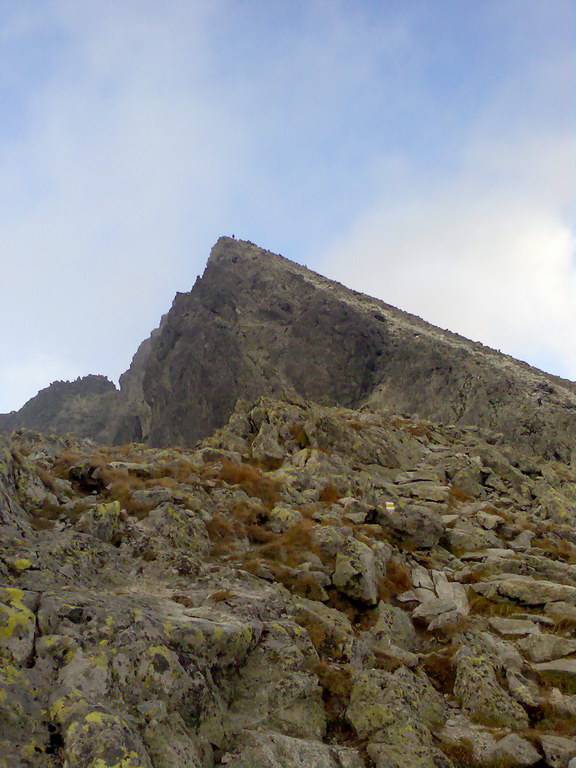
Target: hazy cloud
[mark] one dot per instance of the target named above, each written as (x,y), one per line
(426,145)
(489,253)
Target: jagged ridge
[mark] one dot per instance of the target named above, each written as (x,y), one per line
(256,323)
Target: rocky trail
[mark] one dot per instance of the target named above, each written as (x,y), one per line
(309,587)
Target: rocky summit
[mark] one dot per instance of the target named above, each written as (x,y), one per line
(258,324)
(313,532)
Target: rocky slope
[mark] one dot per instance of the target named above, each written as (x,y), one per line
(257,324)
(311,586)
(83,407)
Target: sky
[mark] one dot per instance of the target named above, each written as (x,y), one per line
(421,152)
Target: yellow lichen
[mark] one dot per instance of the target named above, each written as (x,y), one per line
(14,615)
(131,760)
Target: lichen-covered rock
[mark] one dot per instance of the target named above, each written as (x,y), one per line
(170,744)
(355,572)
(329,630)
(545,647)
(395,712)
(558,750)
(381,701)
(412,524)
(171,600)
(393,627)
(513,627)
(102,521)
(561,672)
(101,739)
(17,624)
(526,590)
(480,694)
(513,751)
(274,750)
(275,688)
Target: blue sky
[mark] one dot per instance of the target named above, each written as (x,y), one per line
(422,152)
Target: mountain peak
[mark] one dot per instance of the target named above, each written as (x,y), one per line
(256,323)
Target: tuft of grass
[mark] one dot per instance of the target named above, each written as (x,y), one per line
(329,494)
(301,582)
(250,479)
(457,494)
(298,434)
(336,683)
(396,581)
(440,669)
(220,595)
(482,606)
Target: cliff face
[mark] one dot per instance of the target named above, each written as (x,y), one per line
(256,323)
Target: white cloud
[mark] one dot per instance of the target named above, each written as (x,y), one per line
(488,253)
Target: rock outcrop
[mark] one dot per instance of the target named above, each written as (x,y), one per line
(271,599)
(83,407)
(257,324)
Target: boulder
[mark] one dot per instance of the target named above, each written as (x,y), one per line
(514,752)
(412,524)
(355,572)
(481,695)
(274,750)
(544,647)
(526,590)
(559,751)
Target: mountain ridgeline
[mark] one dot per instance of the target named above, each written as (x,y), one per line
(257,324)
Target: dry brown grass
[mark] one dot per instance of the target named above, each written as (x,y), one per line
(557,549)
(396,581)
(250,479)
(301,582)
(47,478)
(44,517)
(336,679)
(462,754)
(298,434)
(482,606)
(329,494)
(476,576)
(440,669)
(336,683)
(220,595)
(457,494)
(549,720)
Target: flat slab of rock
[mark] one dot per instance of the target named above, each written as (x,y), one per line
(433,608)
(513,751)
(525,589)
(558,750)
(559,671)
(513,626)
(543,647)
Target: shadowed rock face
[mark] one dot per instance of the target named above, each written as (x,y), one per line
(256,323)
(83,407)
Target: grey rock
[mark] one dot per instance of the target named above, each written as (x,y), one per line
(412,524)
(482,696)
(558,750)
(513,751)
(544,647)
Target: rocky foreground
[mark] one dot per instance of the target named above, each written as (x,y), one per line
(311,587)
